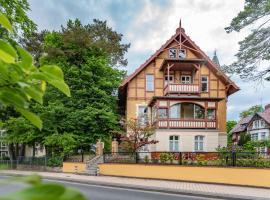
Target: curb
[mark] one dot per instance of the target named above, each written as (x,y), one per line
(144,188)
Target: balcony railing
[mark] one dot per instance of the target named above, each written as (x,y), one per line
(174,88)
(186,123)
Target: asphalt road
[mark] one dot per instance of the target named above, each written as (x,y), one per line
(96,192)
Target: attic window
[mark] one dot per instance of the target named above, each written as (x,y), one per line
(172,53)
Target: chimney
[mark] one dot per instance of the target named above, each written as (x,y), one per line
(267,107)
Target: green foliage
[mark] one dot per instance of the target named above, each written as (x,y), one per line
(16,12)
(21,81)
(55,161)
(62,144)
(244,139)
(165,157)
(229,126)
(254,49)
(251,111)
(42,191)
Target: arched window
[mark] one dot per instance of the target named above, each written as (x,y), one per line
(187,111)
(174,143)
(199,143)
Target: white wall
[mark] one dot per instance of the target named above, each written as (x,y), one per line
(187,137)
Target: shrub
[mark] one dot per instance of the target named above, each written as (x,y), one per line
(55,161)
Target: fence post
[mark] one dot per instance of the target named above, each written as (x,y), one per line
(136,157)
(234,158)
(180,158)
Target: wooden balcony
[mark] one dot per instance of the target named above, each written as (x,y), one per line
(186,123)
(176,88)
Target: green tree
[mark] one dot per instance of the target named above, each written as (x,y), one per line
(250,111)
(229,126)
(16,12)
(91,112)
(21,81)
(254,49)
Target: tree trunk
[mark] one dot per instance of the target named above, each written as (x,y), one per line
(11,151)
(22,150)
(34,149)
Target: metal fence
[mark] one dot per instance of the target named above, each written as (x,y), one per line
(241,159)
(31,163)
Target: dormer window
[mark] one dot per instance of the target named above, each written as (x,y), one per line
(172,53)
(182,53)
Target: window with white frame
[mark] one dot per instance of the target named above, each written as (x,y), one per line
(204,83)
(263,136)
(199,143)
(149,82)
(168,79)
(254,136)
(142,115)
(258,124)
(174,143)
(172,53)
(186,79)
(4,154)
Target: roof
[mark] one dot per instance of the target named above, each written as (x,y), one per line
(241,126)
(265,115)
(243,123)
(232,87)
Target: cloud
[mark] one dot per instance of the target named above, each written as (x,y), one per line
(147,24)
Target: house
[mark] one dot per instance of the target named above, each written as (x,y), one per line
(39,150)
(183,93)
(257,125)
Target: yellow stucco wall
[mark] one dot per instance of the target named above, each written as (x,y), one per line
(238,176)
(74,167)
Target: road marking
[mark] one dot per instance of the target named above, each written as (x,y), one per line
(134,190)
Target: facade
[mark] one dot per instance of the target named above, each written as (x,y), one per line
(3,145)
(183,93)
(257,125)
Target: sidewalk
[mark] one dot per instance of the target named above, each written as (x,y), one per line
(157,185)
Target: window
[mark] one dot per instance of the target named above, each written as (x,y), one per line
(174,143)
(149,82)
(199,143)
(186,79)
(162,113)
(142,115)
(204,82)
(168,79)
(211,114)
(175,111)
(254,136)
(263,136)
(172,53)
(198,112)
(262,150)
(258,124)
(4,154)
(182,53)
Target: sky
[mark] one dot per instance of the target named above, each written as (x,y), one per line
(147,24)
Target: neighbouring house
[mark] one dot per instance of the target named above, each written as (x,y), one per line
(3,145)
(29,151)
(183,93)
(257,125)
